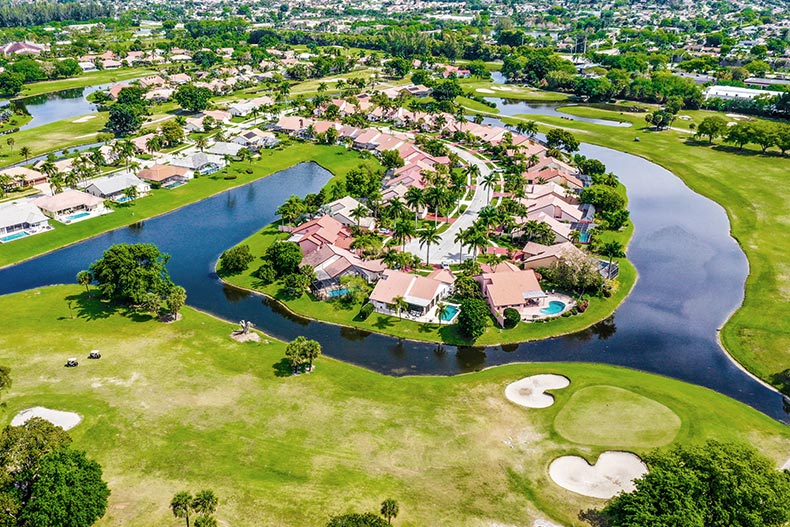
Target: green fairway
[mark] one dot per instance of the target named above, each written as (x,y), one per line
(510,91)
(592,413)
(745,183)
(336,159)
(86,79)
(182,406)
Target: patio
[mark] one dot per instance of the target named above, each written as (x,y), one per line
(550,307)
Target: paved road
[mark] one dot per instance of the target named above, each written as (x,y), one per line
(447,250)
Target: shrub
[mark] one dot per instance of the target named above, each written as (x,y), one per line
(366,311)
(473,318)
(248,171)
(235,260)
(230,176)
(265,273)
(512,317)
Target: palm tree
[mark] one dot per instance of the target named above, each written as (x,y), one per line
(429,236)
(205,502)
(533,160)
(489,181)
(11,142)
(56,182)
(85,278)
(442,310)
(461,240)
(181,505)
(399,303)
(255,112)
(612,249)
(436,197)
(530,129)
(201,143)
(153,143)
(488,216)
(359,212)
(25,152)
(395,210)
(403,231)
(415,198)
(322,87)
(472,172)
(389,509)
(477,238)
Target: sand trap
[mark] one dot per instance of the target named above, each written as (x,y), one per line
(614,472)
(530,391)
(84,119)
(65,420)
(501,88)
(484,90)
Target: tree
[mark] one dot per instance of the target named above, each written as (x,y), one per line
(128,272)
(391,159)
(68,491)
(193,98)
(25,152)
(389,508)
(84,278)
(205,503)
(603,198)
(442,310)
(489,181)
(302,350)
(711,127)
(512,317)
(562,139)
(11,142)
(415,199)
(473,318)
(176,300)
(284,256)
(429,236)
(181,505)
(660,119)
(447,90)
(399,304)
(296,284)
(711,485)
(124,119)
(10,84)
(291,209)
(764,135)
(235,260)
(130,193)
(403,231)
(611,250)
(739,134)
(172,133)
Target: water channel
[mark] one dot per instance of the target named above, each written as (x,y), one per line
(691,276)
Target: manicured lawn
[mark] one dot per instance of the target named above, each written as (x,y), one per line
(336,159)
(182,406)
(86,79)
(512,91)
(475,106)
(745,183)
(336,312)
(593,412)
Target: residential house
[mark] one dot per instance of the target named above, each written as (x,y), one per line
(199,163)
(331,263)
(165,175)
(510,287)
(536,256)
(293,125)
(23,48)
(255,139)
(310,236)
(69,202)
(420,293)
(20,218)
(113,187)
(222,149)
(23,176)
(342,210)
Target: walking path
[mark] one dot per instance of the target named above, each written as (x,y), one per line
(447,250)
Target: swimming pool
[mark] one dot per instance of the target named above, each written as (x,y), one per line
(450,312)
(123,199)
(77,215)
(555,307)
(174,184)
(337,292)
(15,236)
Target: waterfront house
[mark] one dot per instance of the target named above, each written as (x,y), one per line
(20,218)
(342,209)
(420,293)
(311,235)
(24,177)
(255,139)
(331,263)
(199,163)
(510,287)
(113,187)
(165,175)
(68,203)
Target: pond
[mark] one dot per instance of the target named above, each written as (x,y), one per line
(691,276)
(59,105)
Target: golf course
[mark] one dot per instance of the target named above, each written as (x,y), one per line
(171,406)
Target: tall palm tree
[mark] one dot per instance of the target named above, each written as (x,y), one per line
(472,172)
(25,152)
(429,236)
(461,240)
(181,505)
(612,250)
(436,197)
(359,212)
(442,310)
(56,181)
(403,231)
(205,502)
(153,143)
(530,129)
(395,210)
(201,143)
(399,303)
(488,216)
(389,509)
(489,181)
(477,239)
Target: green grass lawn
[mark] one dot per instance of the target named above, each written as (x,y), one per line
(86,79)
(336,312)
(182,406)
(745,183)
(510,91)
(336,159)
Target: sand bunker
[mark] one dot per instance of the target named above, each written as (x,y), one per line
(65,420)
(530,391)
(485,90)
(84,119)
(501,88)
(614,472)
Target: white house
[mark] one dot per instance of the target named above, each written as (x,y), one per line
(420,293)
(255,139)
(113,187)
(19,219)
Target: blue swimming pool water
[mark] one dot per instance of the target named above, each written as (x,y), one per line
(77,215)
(450,313)
(337,292)
(554,307)
(15,236)
(123,199)
(173,185)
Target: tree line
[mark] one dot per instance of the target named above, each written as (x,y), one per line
(26,14)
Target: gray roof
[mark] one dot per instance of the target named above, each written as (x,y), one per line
(193,162)
(223,148)
(109,185)
(20,212)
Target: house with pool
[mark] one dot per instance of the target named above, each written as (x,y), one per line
(71,206)
(113,187)
(19,219)
(165,176)
(420,294)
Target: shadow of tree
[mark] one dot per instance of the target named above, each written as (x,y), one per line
(91,306)
(782,381)
(383,322)
(282,368)
(594,517)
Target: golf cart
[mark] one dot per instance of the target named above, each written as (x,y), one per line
(72,363)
